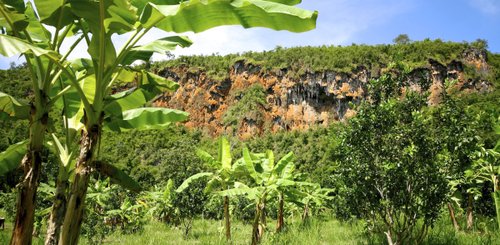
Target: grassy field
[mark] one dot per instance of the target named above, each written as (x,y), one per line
(317,232)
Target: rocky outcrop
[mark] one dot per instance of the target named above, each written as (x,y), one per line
(314,98)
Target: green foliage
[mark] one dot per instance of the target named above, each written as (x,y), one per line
(390,170)
(296,61)
(249,107)
(402,39)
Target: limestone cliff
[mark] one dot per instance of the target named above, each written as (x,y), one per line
(313,98)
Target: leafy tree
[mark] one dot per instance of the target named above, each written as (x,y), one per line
(402,39)
(390,169)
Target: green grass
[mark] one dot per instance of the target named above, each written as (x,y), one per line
(211,232)
(317,232)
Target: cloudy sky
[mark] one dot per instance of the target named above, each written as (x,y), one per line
(343,22)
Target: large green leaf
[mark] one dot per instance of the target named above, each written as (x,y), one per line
(157,84)
(200,15)
(109,50)
(145,118)
(11,158)
(14,13)
(250,166)
(37,31)
(185,184)
(135,99)
(119,15)
(207,158)
(56,13)
(225,154)
(10,46)
(117,176)
(11,107)
(282,163)
(161,46)
(165,44)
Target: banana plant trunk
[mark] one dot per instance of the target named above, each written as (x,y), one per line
(31,164)
(76,203)
(258,223)
(227,218)
(452,217)
(58,208)
(281,220)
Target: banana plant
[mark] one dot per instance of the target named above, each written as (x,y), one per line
(24,34)
(222,179)
(309,197)
(269,181)
(127,214)
(96,22)
(105,18)
(486,168)
(159,202)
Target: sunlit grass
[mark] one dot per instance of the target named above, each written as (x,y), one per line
(211,232)
(316,232)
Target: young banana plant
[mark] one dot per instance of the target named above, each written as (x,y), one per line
(159,202)
(309,197)
(222,179)
(269,180)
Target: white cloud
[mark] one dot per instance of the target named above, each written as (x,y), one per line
(486,6)
(222,40)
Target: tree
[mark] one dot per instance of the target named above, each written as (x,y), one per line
(390,169)
(88,82)
(402,39)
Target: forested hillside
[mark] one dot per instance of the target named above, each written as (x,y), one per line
(359,120)
(299,88)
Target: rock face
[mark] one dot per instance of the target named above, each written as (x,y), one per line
(314,98)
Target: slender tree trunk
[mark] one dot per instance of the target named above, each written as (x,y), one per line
(58,208)
(31,164)
(470,216)
(227,218)
(281,221)
(75,209)
(388,235)
(305,214)
(452,217)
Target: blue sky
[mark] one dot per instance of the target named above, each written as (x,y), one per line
(343,22)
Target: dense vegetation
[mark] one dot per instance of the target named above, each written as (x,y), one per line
(297,61)
(394,171)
